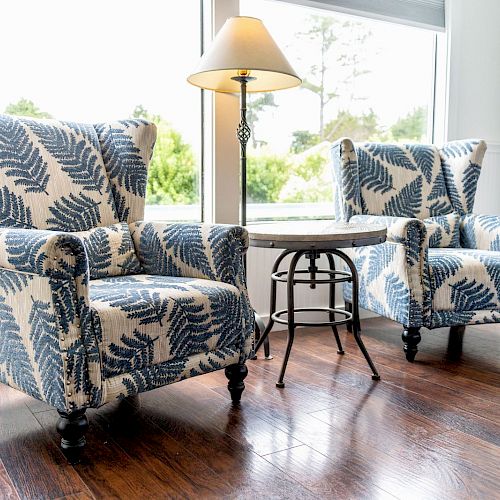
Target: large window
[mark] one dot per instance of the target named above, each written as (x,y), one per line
(107,60)
(364,79)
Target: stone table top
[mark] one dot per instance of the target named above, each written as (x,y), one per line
(315,234)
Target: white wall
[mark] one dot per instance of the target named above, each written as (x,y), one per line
(474,87)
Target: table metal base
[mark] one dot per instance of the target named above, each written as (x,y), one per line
(316,276)
(260,327)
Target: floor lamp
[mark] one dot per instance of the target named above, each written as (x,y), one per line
(243,58)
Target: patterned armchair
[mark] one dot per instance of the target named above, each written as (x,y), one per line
(440,265)
(95,304)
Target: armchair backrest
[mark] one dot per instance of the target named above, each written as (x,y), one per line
(70,176)
(461,162)
(405,180)
(127,147)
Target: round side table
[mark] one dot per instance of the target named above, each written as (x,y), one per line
(312,239)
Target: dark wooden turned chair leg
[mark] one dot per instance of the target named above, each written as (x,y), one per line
(236,374)
(411,337)
(72,427)
(455,342)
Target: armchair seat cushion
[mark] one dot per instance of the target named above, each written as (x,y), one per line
(465,281)
(145,320)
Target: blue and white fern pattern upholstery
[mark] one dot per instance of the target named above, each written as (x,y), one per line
(53,176)
(347,199)
(190,313)
(96,304)
(481,232)
(110,251)
(440,265)
(127,147)
(401,181)
(465,286)
(461,161)
(443,231)
(46,339)
(391,274)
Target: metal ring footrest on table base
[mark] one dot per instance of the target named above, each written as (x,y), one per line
(283,277)
(348,316)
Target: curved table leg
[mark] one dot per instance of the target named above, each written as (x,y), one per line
(290,313)
(355,312)
(264,332)
(260,328)
(331,304)
(348,308)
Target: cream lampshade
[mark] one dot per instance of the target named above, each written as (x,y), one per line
(244,47)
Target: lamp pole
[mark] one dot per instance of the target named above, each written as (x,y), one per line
(243,133)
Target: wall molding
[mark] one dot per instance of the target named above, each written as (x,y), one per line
(493,147)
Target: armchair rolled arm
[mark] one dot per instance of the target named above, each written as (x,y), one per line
(481,232)
(49,270)
(409,232)
(46,253)
(192,250)
(407,278)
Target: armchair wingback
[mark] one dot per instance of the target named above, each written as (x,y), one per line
(96,304)
(440,265)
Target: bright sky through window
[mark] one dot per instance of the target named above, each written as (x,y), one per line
(396,62)
(96,60)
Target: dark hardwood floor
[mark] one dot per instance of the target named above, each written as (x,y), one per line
(426,430)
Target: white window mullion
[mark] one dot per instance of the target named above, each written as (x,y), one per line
(222,186)
(440,90)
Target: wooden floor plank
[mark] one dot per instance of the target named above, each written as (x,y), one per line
(433,364)
(469,452)
(161,454)
(440,412)
(400,373)
(430,429)
(404,449)
(35,465)
(259,435)
(477,362)
(201,427)
(324,477)
(356,460)
(106,469)
(78,496)
(7,488)
(430,363)
(371,456)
